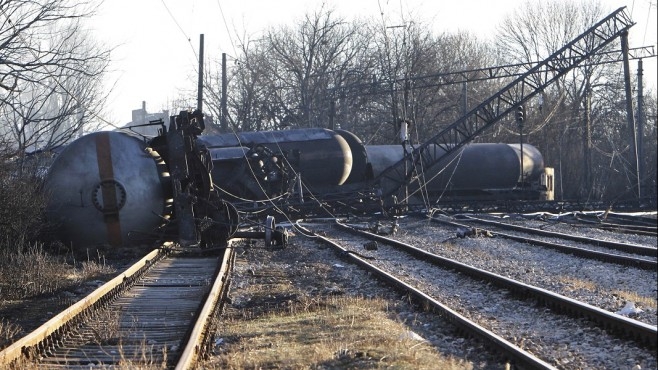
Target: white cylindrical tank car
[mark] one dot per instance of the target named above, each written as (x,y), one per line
(105,188)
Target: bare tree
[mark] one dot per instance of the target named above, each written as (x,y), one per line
(437,103)
(50,74)
(290,76)
(411,64)
(316,56)
(570,113)
(362,75)
(252,100)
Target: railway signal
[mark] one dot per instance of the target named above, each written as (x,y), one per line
(520,114)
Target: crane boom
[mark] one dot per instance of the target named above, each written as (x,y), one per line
(512,96)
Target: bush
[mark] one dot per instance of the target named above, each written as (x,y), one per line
(22,202)
(31,272)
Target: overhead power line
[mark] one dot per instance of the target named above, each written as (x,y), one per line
(189,40)
(479,74)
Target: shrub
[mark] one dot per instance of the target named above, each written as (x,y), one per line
(21,200)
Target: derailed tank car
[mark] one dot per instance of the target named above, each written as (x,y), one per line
(259,165)
(476,171)
(112,188)
(109,188)
(105,186)
(481,171)
(247,165)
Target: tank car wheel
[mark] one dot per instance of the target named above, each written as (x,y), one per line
(269,231)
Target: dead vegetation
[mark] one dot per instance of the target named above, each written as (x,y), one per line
(32,272)
(629,296)
(646,302)
(329,332)
(35,285)
(32,268)
(8,330)
(292,309)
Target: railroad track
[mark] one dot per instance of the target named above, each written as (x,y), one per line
(156,313)
(643,335)
(646,220)
(619,223)
(625,260)
(640,250)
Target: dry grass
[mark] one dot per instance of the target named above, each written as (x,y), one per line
(141,358)
(329,332)
(477,253)
(572,283)
(8,330)
(578,284)
(641,301)
(32,275)
(106,327)
(32,271)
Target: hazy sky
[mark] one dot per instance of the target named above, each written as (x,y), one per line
(156,40)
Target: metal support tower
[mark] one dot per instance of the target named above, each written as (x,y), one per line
(488,113)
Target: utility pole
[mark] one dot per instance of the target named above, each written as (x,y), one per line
(224,117)
(199,97)
(633,159)
(520,118)
(464,98)
(587,135)
(640,126)
(332,111)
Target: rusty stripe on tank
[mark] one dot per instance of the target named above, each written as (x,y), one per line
(106,172)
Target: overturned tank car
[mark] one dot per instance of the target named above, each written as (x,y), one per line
(113,188)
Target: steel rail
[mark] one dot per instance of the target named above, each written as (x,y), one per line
(635,220)
(25,346)
(641,263)
(617,227)
(624,247)
(640,332)
(510,351)
(196,341)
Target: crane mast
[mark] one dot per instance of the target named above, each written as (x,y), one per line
(393,179)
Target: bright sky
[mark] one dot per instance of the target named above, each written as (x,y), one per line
(156,40)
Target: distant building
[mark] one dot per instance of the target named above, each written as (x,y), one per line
(141,119)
